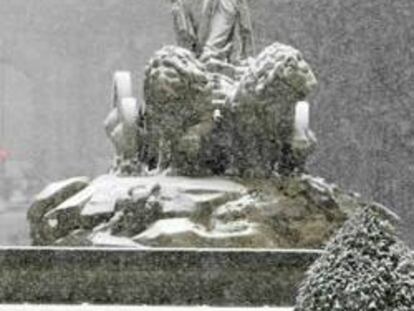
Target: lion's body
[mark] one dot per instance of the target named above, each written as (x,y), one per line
(178,97)
(256,129)
(263,110)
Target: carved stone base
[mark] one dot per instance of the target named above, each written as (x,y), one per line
(163,211)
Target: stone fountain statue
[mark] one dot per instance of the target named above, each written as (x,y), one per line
(215,156)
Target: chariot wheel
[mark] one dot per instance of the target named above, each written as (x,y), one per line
(121,87)
(129,113)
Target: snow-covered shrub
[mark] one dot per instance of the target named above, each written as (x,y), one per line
(365,267)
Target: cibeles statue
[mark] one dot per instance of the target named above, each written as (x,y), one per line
(213,156)
(209,111)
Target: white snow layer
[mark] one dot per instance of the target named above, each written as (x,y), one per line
(106,239)
(182,193)
(175,226)
(55,187)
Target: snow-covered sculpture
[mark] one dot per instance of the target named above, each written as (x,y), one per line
(257,109)
(264,107)
(178,96)
(214,157)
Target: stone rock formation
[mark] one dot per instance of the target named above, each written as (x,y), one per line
(167,211)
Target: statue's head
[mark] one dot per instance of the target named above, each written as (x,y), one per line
(176,86)
(278,67)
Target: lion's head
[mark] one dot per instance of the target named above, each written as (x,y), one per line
(278,69)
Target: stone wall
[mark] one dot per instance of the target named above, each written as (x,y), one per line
(156,277)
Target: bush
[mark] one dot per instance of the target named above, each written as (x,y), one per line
(365,267)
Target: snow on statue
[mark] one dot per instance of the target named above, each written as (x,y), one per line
(215,155)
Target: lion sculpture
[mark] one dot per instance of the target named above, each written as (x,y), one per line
(178,96)
(201,121)
(262,113)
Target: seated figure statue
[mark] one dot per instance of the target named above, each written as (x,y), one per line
(214,29)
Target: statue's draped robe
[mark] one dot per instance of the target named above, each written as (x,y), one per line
(186,23)
(213,27)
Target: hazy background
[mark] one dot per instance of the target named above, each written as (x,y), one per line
(57,58)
